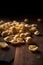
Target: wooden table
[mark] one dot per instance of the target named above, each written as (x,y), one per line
(25,57)
(20,55)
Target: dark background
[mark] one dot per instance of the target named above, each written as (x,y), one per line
(17,12)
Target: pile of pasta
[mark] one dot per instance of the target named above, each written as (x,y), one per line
(18,32)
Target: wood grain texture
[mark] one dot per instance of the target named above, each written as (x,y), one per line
(21,55)
(25,57)
(7,55)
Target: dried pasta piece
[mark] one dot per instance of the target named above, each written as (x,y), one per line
(20,40)
(29,40)
(32,29)
(8,38)
(23,35)
(26,25)
(36,33)
(1,28)
(26,20)
(3,44)
(1,22)
(39,19)
(14,40)
(17,35)
(33,48)
(34,25)
(12,30)
(27,34)
(4,33)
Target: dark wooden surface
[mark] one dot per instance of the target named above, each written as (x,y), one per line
(7,55)
(25,57)
(21,55)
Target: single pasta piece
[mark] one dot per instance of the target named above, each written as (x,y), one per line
(34,25)
(8,38)
(1,22)
(26,25)
(32,29)
(3,44)
(12,30)
(13,41)
(23,35)
(39,19)
(36,32)
(1,28)
(33,48)
(21,31)
(29,40)
(20,40)
(27,34)
(14,24)
(26,20)
(17,24)
(17,35)
(4,33)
